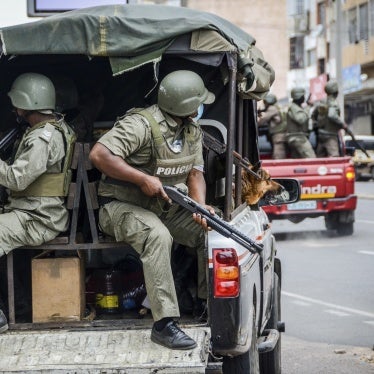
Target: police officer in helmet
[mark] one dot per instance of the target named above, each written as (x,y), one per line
(146,149)
(272,117)
(38,177)
(297,126)
(327,121)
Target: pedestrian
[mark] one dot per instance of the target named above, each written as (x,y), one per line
(146,149)
(326,117)
(298,126)
(276,122)
(38,176)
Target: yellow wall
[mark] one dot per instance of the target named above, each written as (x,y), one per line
(266,21)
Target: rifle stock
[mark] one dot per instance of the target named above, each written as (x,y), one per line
(214,221)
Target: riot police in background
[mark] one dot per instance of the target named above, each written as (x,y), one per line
(327,122)
(297,126)
(272,117)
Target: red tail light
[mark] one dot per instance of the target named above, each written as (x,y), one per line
(350,174)
(226,272)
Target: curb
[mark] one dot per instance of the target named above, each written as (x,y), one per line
(367,197)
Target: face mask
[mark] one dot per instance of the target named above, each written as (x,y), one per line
(200,111)
(19,119)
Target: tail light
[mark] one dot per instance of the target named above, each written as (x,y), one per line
(226,272)
(350,174)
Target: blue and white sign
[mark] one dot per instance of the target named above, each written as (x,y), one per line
(351,78)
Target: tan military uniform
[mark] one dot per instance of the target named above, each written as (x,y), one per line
(277,130)
(148,224)
(30,220)
(297,132)
(328,123)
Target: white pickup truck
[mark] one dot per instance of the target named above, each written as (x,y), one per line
(125,50)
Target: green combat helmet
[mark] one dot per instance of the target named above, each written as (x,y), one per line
(270,99)
(182,92)
(331,87)
(297,93)
(32,91)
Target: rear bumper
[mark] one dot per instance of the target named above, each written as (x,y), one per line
(323,207)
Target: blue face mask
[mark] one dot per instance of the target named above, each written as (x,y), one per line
(200,111)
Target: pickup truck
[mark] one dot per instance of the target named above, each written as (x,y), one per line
(125,50)
(327,187)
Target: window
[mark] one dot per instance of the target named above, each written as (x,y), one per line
(297,52)
(311,57)
(321,66)
(371,17)
(364,22)
(321,14)
(352,26)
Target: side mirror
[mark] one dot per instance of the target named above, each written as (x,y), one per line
(350,151)
(289,194)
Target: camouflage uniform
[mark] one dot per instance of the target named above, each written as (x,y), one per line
(328,123)
(297,132)
(148,224)
(30,220)
(277,130)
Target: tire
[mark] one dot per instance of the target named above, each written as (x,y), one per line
(271,363)
(247,363)
(345,229)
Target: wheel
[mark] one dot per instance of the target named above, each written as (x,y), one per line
(345,229)
(271,363)
(247,363)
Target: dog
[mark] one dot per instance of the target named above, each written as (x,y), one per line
(256,184)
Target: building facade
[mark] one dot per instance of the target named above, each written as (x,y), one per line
(335,39)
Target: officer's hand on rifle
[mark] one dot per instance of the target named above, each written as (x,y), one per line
(198,218)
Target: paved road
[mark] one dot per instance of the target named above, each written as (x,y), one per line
(328,297)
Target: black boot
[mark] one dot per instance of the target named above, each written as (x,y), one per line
(171,336)
(3,322)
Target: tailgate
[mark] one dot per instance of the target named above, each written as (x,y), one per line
(109,351)
(320,178)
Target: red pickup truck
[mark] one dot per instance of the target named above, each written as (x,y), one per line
(327,187)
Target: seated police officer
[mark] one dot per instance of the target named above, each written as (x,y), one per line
(38,177)
(146,149)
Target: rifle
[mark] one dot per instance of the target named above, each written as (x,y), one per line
(7,142)
(211,142)
(357,144)
(214,221)
(9,139)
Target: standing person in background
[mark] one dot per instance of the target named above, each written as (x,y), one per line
(272,117)
(297,126)
(326,117)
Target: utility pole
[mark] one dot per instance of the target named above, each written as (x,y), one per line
(338,55)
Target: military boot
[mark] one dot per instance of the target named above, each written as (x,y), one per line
(3,322)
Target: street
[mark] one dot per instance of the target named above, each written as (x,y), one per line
(327,293)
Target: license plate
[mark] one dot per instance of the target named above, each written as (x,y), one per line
(303,205)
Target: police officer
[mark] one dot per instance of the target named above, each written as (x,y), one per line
(146,149)
(38,177)
(277,125)
(326,117)
(297,126)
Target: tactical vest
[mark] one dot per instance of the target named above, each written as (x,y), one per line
(326,111)
(294,127)
(53,184)
(277,128)
(169,166)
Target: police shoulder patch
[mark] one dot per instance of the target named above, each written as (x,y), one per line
(46,132)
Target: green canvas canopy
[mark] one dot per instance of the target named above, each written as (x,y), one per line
(134,35)
(119,31)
